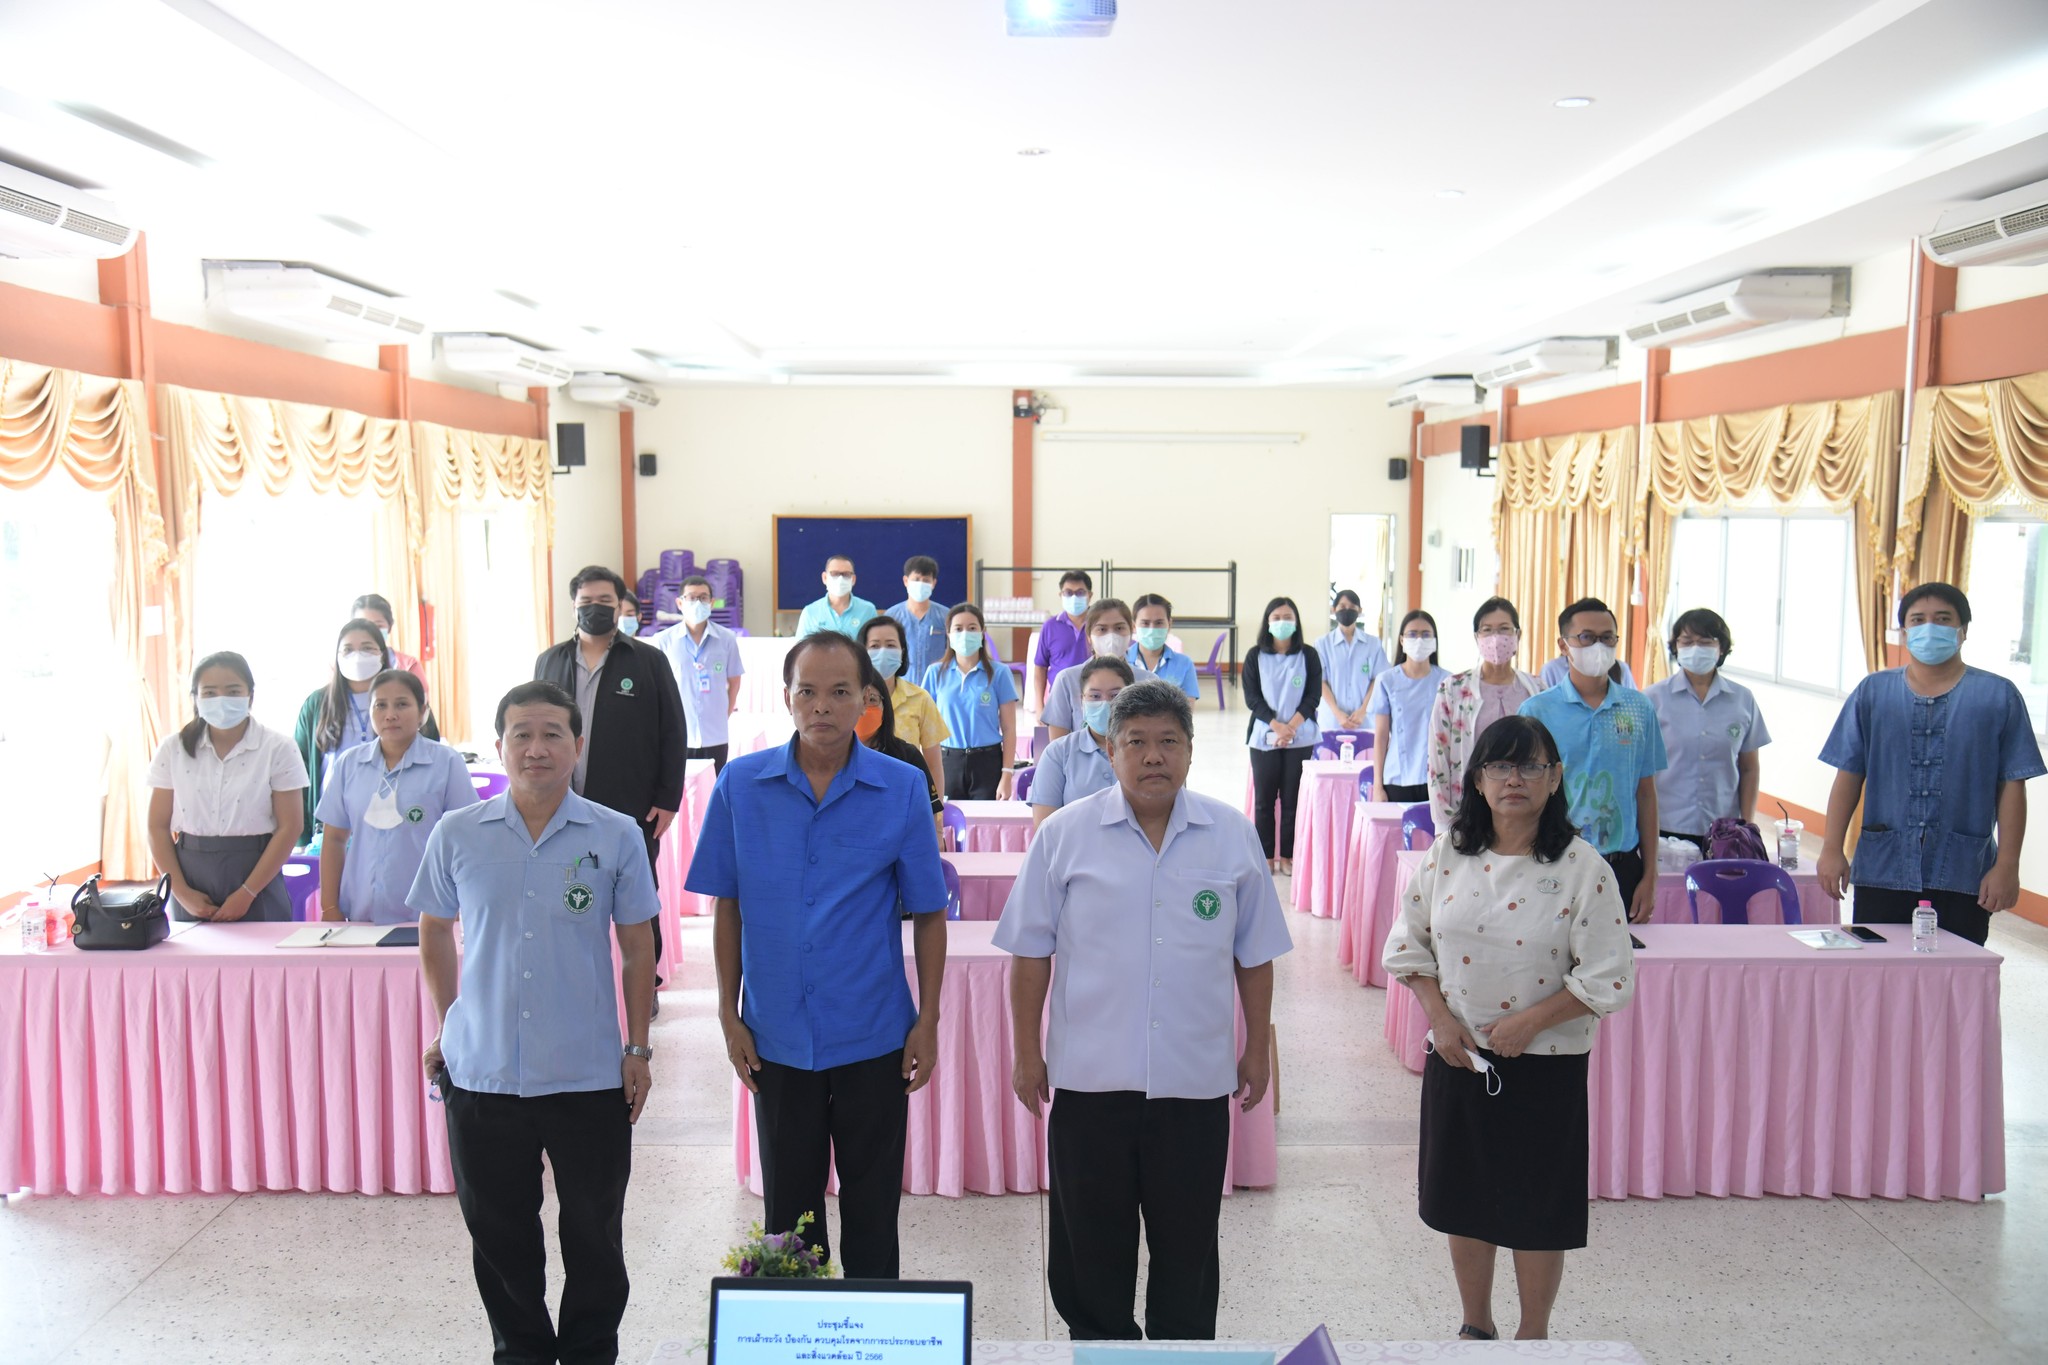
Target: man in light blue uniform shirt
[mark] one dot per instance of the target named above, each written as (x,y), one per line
(1157,904)
(528,1059)
(1612,748)
(813,850)
(838,609)
(706,659)
(1712,731)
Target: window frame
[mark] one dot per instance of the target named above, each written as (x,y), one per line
(1775,676)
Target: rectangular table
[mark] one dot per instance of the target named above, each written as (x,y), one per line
(996,826)
(985,881)
(968,1133)
(685,1352)
(1322,832)
(1749,1064)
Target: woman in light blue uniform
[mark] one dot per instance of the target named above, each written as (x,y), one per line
(1352,658)
(1281,679)
(1150,651)
(382,801)
(1075,765)
(1402,701)
(978,702)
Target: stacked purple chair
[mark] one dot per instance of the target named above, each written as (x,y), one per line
(728,591)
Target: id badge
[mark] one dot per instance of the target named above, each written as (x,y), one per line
(703,680)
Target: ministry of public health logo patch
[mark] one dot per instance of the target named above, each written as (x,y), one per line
(578,898)
(625,684)
(1208,905)
(414,814)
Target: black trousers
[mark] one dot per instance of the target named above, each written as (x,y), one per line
(495,1144)
(716,753)
(1276,773)
(1115,1155)
(852,1117)
(972,774)
(1628,872)
(1956,911)
(1412,795)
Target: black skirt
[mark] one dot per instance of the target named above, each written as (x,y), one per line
(1510,1168)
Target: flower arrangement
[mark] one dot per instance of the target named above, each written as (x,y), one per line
(779,1255)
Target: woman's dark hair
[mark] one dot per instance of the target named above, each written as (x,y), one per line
(540,692)
(377,602)
(981,624)
(1150,599)
(881,622)
(412,685)
(1103,606)
(334,700)
(1266,642)
(1492,605)
(1947,592)
(872,680)
(234,663)
(1512,739)
(1705,624)
(1401,650)
(1102,662)
(1337,600)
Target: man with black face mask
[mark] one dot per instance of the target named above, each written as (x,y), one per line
(634,731)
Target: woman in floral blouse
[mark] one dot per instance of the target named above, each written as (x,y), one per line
(1468,702)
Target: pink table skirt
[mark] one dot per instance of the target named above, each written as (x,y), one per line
(968,1133)
(997,826)
(1749,1064)
(1367,895)
(672,863)
(985,881)
(215,1062)
(1322,833)
(1815,905)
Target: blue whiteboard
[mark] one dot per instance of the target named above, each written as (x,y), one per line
(878,545)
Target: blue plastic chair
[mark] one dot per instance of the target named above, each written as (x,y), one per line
(1022,785)
(956,825)
(301,873)
(489,785)
(1732,881)
(952,876)
(1329,744)
(1365,783)
(1417,820)
(1212,669)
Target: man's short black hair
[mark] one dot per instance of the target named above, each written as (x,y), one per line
(695,580)
(827,639)
(1947,592)
(1078,576)
(923,564)
(847,558)
(1584,604)
(538,693)
(596,573)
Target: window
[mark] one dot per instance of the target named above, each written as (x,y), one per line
(1786,586)
(59,675)
(2009,629)
(273,580)
(497,612)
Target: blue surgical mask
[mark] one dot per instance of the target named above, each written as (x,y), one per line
(1152,637)
(1073,604)
(223,713)
(1933,644)
(1701,659)
(694,612)
(919,592)
(888,662)
(629,625)
(1283,630)
(966,643)
(1095,715)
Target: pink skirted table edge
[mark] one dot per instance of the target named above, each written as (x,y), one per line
(968,1133)
(672,858)
(985,882)
(1039,1352)
(1749,1064)
(996,826)
(1367,893)
(1322,833)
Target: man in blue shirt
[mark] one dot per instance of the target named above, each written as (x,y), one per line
(708,668)
(528,1059)
(922,619)
(1939,753)
(838,609)
(810,850)
(1612,748)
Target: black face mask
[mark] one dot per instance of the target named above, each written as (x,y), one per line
(1346,616)
(596,619)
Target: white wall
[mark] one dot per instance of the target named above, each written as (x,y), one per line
(1457,504)
(587,525)
(1985,285)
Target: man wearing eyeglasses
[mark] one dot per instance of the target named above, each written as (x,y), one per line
(1612,748)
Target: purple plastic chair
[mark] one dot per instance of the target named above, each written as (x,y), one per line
(1330,743)
(1365,783)
(956,825)
(952,876)
(301,873)
(1212,669)
(1417,820)
(1022,786)
(489,785)
(1732,881)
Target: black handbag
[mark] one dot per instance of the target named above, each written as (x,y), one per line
(136,915)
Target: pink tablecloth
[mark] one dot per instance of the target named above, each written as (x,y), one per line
(217,1062)
(985,880)
(1322,832)
(997,826)
(1749,1064)
(672,863)
(1365,895)
(968,1133)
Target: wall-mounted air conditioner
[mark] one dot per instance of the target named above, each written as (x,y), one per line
(305,299)
(611,391)
(1744,304)
(1437,391)
(490,356)
(41,219)
(2006,229)
(1059,18)
(1552,358)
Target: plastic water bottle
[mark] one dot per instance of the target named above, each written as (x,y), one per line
(1924,927)
(1346,748)
(1789,831)
(35,925)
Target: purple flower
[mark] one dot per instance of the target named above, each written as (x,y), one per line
(747,1267)
(773,1241)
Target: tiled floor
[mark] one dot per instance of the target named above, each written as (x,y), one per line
(334,1278)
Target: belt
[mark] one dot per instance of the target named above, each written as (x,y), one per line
(977,749)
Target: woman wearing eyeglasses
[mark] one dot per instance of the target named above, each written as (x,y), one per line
(1469,702)
(1514,939)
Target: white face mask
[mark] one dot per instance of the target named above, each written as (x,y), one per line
(1112,644)
(1699,658)
(1592,660)
(1419,646)
(223,713)
(383,809)
(360,667)
(838,585)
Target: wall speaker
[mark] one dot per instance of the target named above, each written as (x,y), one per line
(1397,469)
(1472,444)
(569,444)
(647,466)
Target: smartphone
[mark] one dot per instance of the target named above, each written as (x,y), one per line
(1636,943)
(1865,932)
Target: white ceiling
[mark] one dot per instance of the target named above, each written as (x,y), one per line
(1237,190)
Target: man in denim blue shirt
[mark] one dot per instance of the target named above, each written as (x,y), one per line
(810,849)
(1939,753)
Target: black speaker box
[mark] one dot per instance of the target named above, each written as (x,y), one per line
(569,445)
(647,466)
(1397,469)
(1472,444)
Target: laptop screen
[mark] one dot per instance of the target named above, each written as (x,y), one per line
(840,1322)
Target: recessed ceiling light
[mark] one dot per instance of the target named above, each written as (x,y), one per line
(1573,102)
(1033,151)
(1450,194)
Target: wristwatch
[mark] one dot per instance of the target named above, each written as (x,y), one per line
(635,1050)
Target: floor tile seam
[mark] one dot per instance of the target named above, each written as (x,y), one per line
(1939,1280)
(129,1293)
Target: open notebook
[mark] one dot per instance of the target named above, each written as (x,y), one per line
(353,936)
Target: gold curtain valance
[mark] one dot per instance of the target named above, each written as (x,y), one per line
(473,467)
(1976,448)
(1589,469)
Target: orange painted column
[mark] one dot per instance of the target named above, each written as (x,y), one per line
(1415,463)
(629,501)
(1656,364)
(539,398)
(1023,450)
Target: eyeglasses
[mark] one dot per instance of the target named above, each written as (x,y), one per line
(1529,772)
(1485,631)
(1587,637)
